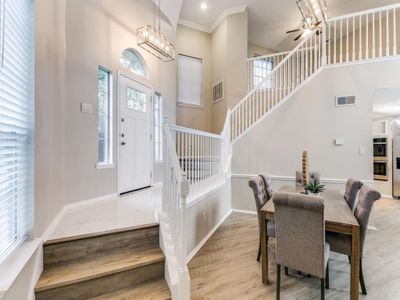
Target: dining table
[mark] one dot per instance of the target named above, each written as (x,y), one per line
(338,218)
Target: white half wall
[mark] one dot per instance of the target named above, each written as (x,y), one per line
(309,120)
(205,215)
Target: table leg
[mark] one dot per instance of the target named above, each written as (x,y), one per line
(264,258)
(355,263)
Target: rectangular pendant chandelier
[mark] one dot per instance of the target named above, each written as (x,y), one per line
(154,42)
(314,12)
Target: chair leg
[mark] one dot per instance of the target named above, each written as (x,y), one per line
(259,250)
(278,282)
(322,289)
(362,283)
(327,276)
(286,271)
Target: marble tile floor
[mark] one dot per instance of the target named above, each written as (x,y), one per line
(138,208)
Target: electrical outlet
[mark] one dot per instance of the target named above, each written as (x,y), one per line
(86,108)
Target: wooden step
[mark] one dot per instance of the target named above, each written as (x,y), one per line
(95,276)
(152,290)
(65,250)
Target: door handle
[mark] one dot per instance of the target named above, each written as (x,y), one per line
(123,143)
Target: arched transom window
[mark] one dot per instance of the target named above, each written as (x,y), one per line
(133,61)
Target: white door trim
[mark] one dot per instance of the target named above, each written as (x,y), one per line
(145,83)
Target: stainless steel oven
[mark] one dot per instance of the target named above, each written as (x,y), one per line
(380,149)
(380,170)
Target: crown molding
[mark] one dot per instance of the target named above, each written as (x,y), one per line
(227,12)
(221,17)
(193,25)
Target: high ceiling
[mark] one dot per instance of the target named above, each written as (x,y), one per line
(269,19)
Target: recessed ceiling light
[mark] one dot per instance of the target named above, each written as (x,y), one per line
(203,6)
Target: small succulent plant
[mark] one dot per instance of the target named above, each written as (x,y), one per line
(315,187)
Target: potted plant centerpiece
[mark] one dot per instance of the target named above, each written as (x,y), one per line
(315,188)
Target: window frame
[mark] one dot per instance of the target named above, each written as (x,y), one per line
(180,101)
(139,58)
(259,78)
(109,162)
(158,115)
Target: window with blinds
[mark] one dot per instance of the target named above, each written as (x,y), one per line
(190,74)
(16,123)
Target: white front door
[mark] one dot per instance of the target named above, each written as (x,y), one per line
(135,158)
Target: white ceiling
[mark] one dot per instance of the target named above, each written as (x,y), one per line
(386,102)
(269,19)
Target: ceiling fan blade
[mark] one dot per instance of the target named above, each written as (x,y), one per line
(294,30)
(299,36)
(317,24)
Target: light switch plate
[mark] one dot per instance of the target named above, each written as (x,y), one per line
(362,151)
(86,108)
(339,142)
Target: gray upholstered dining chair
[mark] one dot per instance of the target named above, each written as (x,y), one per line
(341,243)
(313,177)
(351,190)
(262,190)
(300,240)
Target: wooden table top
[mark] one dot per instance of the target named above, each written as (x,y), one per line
(337,211)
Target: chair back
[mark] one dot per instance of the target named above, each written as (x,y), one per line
(262,190)
(351,190)
(300,232)
(368,195)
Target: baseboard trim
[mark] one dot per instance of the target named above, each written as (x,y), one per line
(89,202)
(244,211)
(205,239)
(293,179)
(387,196)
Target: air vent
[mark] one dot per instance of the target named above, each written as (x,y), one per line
(218,91)
(345,100)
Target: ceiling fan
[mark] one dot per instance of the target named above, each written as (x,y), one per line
(305,30)
(314,13)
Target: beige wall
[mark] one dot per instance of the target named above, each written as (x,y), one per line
(196,43)
(225,51)
(253,49)
(218,66)
(236,77)
(96,34)
(229,63)
(50,107)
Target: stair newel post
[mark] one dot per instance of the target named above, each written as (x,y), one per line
(184,279)
(324,45)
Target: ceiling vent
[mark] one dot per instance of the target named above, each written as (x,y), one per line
(345,100)
(218,91)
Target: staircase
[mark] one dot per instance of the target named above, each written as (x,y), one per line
(124,264)
(365,36)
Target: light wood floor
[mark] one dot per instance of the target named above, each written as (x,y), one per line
(226,267)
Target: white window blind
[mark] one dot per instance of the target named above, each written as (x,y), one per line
(16,125)
(190,73)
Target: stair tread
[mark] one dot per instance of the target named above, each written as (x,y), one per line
(98,234)
(81,270)
(151,290)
